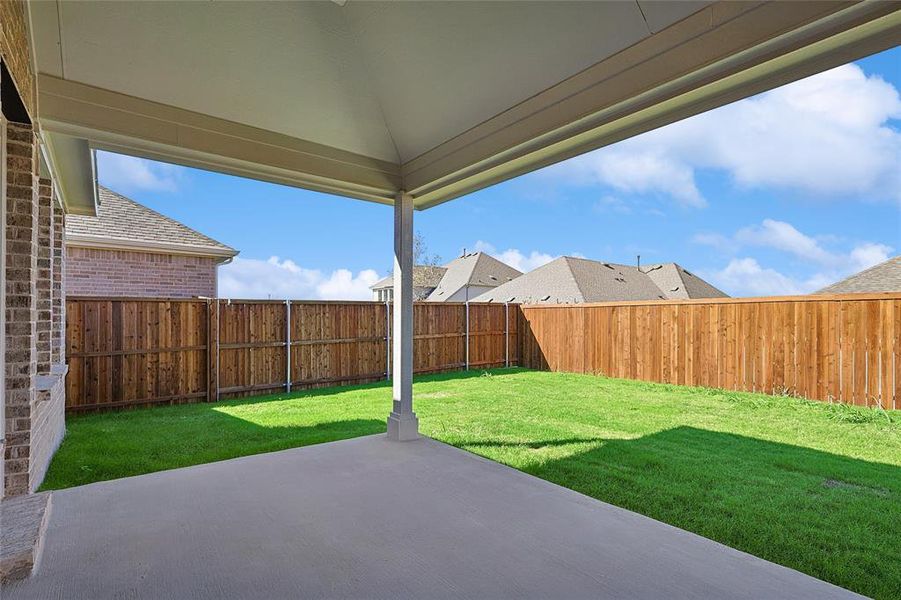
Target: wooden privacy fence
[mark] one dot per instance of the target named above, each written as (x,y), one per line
(125,352)
(831,348)
(138,351)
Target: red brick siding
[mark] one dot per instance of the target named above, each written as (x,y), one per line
(96,272)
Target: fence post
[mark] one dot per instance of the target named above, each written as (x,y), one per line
(506,334)
(212,350)
(287,345)
(387,340)
(467,335)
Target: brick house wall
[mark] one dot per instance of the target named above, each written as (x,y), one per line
(102,272)
(33,293)
(34,394)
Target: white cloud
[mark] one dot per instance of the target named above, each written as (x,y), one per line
(866,255)
(827,135)
(783,236)
(515,258)
(276,278)
(640,171)
(128,174)
(745,276)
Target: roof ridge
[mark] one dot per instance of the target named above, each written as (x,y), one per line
(215,243)
(679,270)
(468,274)
(575,279)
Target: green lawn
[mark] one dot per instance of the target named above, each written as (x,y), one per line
(812,486)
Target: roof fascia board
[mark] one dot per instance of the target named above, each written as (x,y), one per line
(856,31)
(107,243)
(112,121)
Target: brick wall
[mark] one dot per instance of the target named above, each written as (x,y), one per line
(97,272)
(44,277)
(48,424)
(34,376)
(14,49)
(21,305)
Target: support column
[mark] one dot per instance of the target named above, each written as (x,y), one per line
(21,305)
(402,422)
(44,276)
(58,306)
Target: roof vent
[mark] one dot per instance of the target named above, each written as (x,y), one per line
(492,277)
(675,289)
(511,298)
(609,266)
(546,298)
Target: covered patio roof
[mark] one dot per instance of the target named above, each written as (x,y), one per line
(436,99)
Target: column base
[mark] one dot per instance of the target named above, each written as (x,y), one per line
(403,428)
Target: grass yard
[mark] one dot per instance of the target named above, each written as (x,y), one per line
(812,486)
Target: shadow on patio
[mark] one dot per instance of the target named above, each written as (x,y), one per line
(799,507)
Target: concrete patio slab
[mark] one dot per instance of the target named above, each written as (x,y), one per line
(371,518)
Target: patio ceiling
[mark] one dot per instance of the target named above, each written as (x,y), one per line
(439,99)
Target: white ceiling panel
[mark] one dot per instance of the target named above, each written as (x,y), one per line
(662,13)
(291,68)
(438,67)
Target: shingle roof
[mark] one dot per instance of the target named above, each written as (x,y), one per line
(477,269)
(569,280)
(884,277)
(121,220)
(424,276)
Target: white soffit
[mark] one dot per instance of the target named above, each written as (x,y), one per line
(287,67)
(72,167)
(388,80)
(441,68)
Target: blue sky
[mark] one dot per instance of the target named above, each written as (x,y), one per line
(781,193)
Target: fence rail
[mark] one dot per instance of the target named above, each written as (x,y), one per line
(139,351)
(131,351)
(831,348)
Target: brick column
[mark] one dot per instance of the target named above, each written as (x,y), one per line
(44,274)
(58,302)
(21,309)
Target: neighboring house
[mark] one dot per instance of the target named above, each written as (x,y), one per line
(460,280)
(131,250)
(884,277)
(471,275)
(425,279)
(569,280)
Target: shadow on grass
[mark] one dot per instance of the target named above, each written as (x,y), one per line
(100,450)
(110,445)
(830,516)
